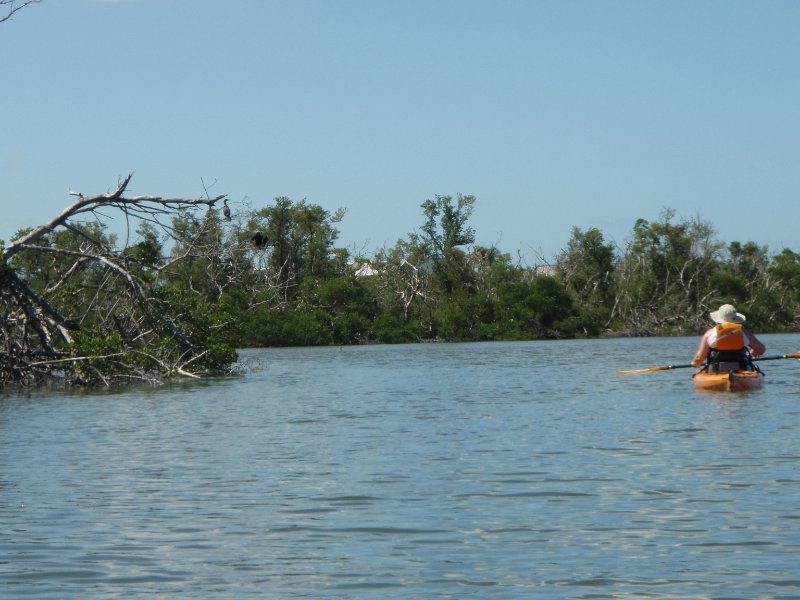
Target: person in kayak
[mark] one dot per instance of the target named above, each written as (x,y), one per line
(728,346)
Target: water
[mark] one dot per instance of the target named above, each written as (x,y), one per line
(427,471)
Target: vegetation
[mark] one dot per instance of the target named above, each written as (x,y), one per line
(76,307)
(437,285)
(191,285)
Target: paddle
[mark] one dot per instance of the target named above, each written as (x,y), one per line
(668,367)
(653,369)
(779,357)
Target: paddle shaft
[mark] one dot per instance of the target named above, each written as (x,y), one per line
(782,356)
(652,369)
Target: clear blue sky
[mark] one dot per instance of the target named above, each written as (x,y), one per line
(553,114)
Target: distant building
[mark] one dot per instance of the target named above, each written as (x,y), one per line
(364,269)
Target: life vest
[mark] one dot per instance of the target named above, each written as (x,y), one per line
(730,336)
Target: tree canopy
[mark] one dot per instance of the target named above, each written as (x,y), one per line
(192,283)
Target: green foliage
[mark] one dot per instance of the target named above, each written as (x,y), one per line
(146,253)
(42,269)
(670,275)
(454,273)
(273,277)
(730,286)
(295,326)
(536,309)
(391,327)
(785,269)
(105,355)
(785,297)
(445,225)
(203,260)
(216,359)
(204,324)
(333,311)
(662,284)
(299,240)
(467,318)
(587,267)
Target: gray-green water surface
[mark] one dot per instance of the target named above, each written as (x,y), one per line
(498,470)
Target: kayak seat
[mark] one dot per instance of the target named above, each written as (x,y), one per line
(724,367)
(725,361)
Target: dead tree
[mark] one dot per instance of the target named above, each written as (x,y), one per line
(39,324)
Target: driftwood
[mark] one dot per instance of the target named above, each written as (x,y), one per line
(36,334)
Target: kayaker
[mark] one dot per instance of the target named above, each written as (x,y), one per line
(728,346)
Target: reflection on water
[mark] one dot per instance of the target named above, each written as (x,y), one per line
(428,471)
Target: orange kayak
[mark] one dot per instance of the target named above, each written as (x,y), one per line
(728,382)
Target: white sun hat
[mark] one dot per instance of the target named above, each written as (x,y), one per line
(727,314)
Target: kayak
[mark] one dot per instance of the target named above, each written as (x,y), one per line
(729,381)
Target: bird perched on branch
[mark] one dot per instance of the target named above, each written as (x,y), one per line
(226,211)
(260,240)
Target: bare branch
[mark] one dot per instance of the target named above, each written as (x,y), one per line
(12,6)
(115,199)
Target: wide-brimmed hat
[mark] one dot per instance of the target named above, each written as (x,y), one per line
(727,314)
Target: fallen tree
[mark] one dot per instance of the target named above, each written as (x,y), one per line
(77,308)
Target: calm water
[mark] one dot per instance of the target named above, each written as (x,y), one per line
(425,471)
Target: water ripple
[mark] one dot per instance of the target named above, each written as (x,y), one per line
(428,471)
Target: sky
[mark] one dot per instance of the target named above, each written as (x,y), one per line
(553,114)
